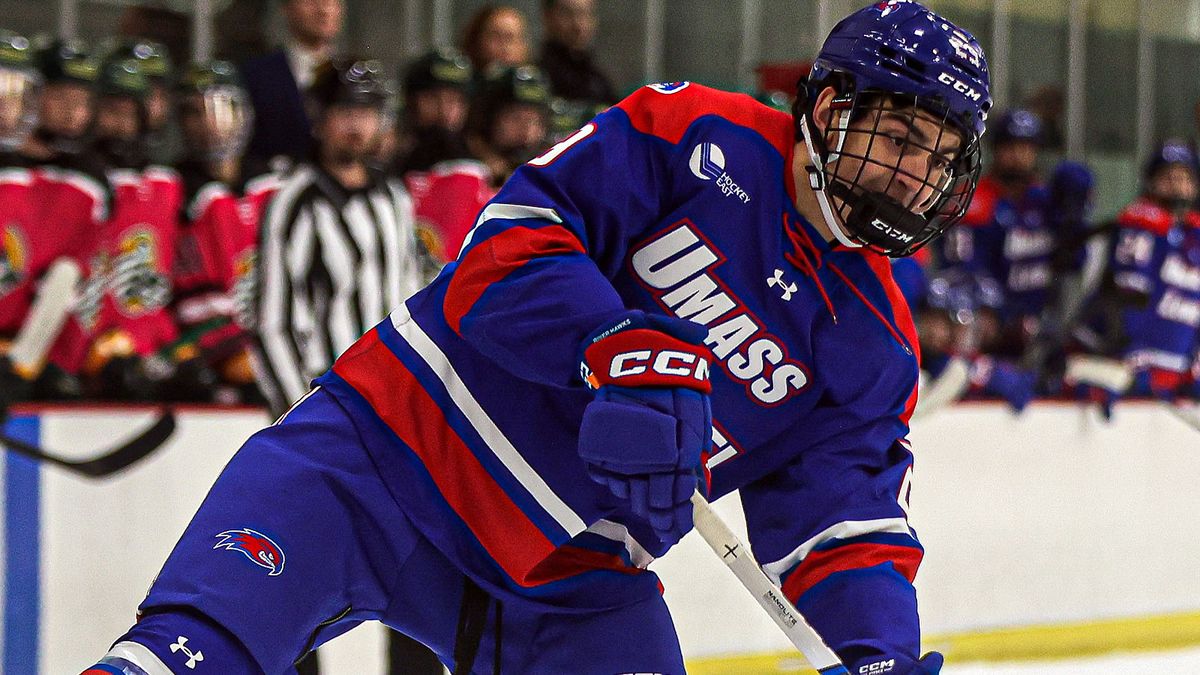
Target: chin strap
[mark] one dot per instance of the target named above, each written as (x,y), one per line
(816,177)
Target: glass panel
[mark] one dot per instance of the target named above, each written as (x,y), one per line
(1038,63)
(621,42)
(101,19)
(703,39)
(1111,84)
(29,17)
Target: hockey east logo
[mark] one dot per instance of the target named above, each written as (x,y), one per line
(139,288)
(708,163)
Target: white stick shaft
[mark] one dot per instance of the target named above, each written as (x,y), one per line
(737,557)
(55,297)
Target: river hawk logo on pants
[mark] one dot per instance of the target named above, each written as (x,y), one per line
(708,162)
(256,546)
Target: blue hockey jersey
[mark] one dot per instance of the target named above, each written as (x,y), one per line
(678,201)
(1008,241)
(1158,256)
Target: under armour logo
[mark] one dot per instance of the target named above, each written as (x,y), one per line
(777,280)
(193,657)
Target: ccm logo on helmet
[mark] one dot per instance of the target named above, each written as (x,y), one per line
(663,362)
(891,231)
(960,86)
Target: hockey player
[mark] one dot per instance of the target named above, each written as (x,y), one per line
(20,263)
(491,469)
(155,63)
(71,198)
(437,88)
(141,235)
(1157,261)
(509,119)
(1006,237)
(215,260)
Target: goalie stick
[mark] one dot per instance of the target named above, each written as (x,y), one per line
(739,560)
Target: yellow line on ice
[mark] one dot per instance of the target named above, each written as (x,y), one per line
(1031,643)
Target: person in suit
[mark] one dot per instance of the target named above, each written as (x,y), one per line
(276,82)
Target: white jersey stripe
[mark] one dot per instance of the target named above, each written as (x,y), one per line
(495,439)
(619,533)
(509,212)
(139,656)
(843,530)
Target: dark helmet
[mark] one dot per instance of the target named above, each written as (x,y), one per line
(1170,152)
(123,77)
(152,56)
(351,82)
(899,51)
(521,85)
(1017,124)
(439,68)
(19,89)
(201,76)
(65,61)
(16,52)
(225,103)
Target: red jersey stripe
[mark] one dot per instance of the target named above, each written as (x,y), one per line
(819,565)
(394,393)
(498,256)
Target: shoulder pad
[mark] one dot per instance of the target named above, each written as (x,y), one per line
(667,110)
(1145,215)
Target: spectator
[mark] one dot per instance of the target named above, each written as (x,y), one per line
(509,120)
(277,81)
(496,38)
(215,261)
(567,58)
(436,101)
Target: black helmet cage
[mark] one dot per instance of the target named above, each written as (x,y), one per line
(869,217)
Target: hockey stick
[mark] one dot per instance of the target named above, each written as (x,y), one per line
(740,561)
(108,462)
(55,298)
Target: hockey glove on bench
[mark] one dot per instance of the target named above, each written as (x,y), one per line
(649,428)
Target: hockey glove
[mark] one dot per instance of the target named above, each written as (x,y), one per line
(649,429)
(1006,380)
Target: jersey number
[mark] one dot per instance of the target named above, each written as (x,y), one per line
(562,146)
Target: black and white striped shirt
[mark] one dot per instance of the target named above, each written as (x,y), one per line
(332,264)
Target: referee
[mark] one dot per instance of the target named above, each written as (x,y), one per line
(338,249)
(338,252)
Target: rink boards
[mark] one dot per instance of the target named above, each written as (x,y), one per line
(1053,518)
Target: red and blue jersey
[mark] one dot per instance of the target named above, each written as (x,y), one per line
(1157,256)
(677,201)
(1008,240)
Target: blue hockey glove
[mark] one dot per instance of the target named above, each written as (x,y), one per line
(930,664)
(649,429)
(1006,380)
